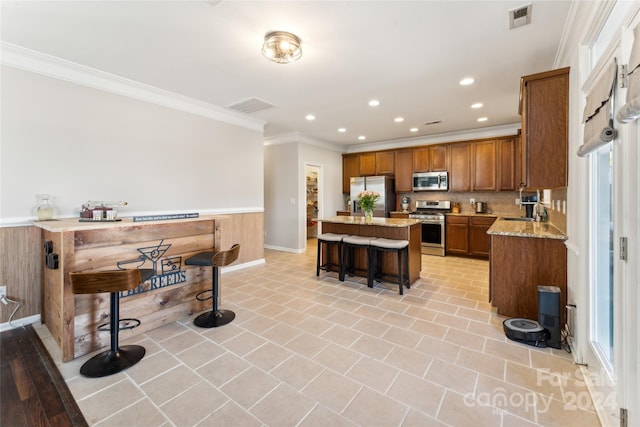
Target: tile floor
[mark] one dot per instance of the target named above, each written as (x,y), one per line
(306,351)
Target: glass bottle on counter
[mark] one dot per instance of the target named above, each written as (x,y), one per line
(44,209)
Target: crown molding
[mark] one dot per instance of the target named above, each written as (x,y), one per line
(37,62)
(297,137)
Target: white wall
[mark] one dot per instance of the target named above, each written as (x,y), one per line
(78,143)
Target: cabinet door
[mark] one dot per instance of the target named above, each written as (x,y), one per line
(421,160)
(457,235)
(438,158)
(507,165)
(484,166)
(385,163)
(479,240)
(460,167)
(367,164)
(545,112)
(350,168)
(404,171)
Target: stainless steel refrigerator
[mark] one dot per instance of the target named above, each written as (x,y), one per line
(381,184)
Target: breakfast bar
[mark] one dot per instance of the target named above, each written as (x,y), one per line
(162,245)
(388,228)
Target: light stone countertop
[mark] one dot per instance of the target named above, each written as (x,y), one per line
(540,230)
(74,224)
(359,220)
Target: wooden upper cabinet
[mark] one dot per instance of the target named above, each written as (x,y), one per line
(460,167)
(508,164)
(367,164)
(484,166)
(404,171)
(350,168)
(544,106)
(385,163)
(430,159)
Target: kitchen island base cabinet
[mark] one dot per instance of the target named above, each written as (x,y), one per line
(518,266)
(410,230)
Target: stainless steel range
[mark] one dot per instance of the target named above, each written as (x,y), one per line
(431,213)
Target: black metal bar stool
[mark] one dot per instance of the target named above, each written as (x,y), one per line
(329,240)
(401,247)
(217,317)
(117,358)
(349,244)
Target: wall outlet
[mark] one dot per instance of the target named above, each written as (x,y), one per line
(472,201)
(517,202)
(3,291)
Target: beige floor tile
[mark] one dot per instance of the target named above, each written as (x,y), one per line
(221,334)
(459,410)
(509,398)
(333,390)
(487,330)
(181,342)
(244,343)
(109,400)
(343,318)
(397,319)
(142,413)
(408,360)
(284,406)
(341,335)
(281,334)
(402,337)
(465,339)
(249,387)
(337,358)
(512,351)
(307,345)
(200,354)
(169,384)
(541,381)
(562,414)
(314,325)
(222,369)
(452,376)
(323,417)
(230,415)
(418,393)
(268,356)
(154,365)
(371,327)
(370,408)
(451,321)
(372,347)
(429,329)
(384,374)
(82,387)
(483,363)
(194,405)
(417,419)
(166,331)
(258,324)
(297,371)
(370,312)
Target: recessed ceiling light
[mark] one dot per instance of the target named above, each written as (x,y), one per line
(477,105)
(399,119)
(310,117)
(413,130)
(482,119)
(374,103)
(466,81)
(362,137)
(342,130)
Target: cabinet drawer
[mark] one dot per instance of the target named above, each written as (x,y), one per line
(482,220)
(457,219)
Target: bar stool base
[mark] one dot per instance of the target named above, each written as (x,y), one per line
(213,319)
(111,362)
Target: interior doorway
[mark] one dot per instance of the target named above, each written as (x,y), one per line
(313,192)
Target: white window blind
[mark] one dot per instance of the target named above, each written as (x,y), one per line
(598,126)
(631,109)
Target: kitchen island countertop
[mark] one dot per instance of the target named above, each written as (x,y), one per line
(359,220)
(540,230)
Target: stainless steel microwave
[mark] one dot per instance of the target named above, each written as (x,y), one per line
(431,181)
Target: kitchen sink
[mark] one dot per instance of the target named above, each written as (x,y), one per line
(518,219)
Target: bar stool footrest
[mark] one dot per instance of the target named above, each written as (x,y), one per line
(111,362)
(106,327)
(200,298)
(213,319)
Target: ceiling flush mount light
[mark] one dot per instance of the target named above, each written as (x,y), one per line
(281,47)
(342,130)
(399,119)
(362,137)
(482,119)
(413,130)
(310,117)
(374,103)
(477,105)
(466,81)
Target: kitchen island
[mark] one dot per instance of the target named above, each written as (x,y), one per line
(524,255)
(388,228)
(94,246)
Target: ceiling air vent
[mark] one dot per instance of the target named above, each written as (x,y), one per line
(251,105)
(520,16)
(435,122)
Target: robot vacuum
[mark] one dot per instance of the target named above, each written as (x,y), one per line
(526,331)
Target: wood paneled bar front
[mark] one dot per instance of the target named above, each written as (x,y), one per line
(87,246)
(388,228)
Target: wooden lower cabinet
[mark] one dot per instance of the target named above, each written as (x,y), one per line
(399,215)
(518,266)
(467,235)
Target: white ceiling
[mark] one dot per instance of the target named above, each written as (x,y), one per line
(410,55)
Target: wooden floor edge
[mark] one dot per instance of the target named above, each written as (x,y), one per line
(75,415)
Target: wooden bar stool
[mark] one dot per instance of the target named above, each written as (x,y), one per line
(349,244)
(329,240)
(215,318)
(117,358)
(401,247)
